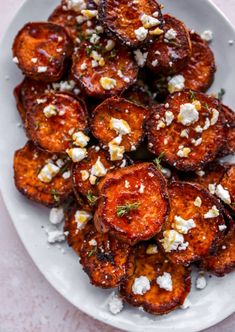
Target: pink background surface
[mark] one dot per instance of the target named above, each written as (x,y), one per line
(27,302)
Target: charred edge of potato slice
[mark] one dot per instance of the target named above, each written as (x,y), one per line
(102,72)
(105,259)
(121,109)
(204,234)
(200,70)
(229,147)
(188,146)
(82,172)
(122,18)
(76,235)
(169,56)
(36,49)
(54,133)
(19,102)
(157,301)
(139,94)
(28,162)
(228,183)
(134,203)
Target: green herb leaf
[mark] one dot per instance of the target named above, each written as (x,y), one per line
(125,209)
(221,94)
(192,95)
(92,252)
(157,161)
(37,125)
(55,195)
(91,198)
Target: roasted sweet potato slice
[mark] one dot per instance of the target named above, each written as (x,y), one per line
(29,163)
(76,233)
(188,130)
(109,118)
(228,183)
(139,94)
(133,22)
(222,261)
(171,52)
(84,178)
(103,69)
(134,203)
(229,115)
(41,51)
(200,70)
(155,267)
(195,226)
(54,132)
(105,259)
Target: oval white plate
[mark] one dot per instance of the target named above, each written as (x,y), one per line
(210,306)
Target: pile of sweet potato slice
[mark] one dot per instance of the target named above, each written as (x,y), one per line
(122,134)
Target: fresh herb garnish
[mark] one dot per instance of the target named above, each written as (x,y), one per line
(206,106)
(221,94)
(157,161)
(125,209)
(91,198)
(92,252)
(37,125)
(55,195)
(192,95)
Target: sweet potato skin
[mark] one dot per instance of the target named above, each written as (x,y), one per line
(156,301)
(228,183)
(28,161)
(52,134)
(122,187)
(200,70)
(206,236)
(116,107)
(213,138)
(41,41)
(173,54)
(229,115)
(108,262)
(122,19)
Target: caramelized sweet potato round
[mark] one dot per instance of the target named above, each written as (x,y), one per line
(156,300)
(120,109)
(53,132)
(103,70)
(229,115)
(171,52)
(41,51)
(134,203)
(200,70)
(194,226)
(124,19)
(82,181)
(105,259)
(228,183)
(188,130)
(28,164)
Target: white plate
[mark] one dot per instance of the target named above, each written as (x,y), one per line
(210,306)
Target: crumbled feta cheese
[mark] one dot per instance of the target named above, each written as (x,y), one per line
(142,187)
(155,62)
(156,14)
(94,38)
(95,55)
(207,36)
(165,282)
(140,57)
(215,116)
(76,5)
(85,175)
(77,154)
(49,111)
(15,60)
(125,78)
(66,175)
(83,66)
(212,213)
(223,194)
(127,184)
(120,126)
(197,104)
(160,124)
(141,33)
(110,45)
(115,305)
(116,152)
(169,117)
(183,226)
(199,129)
(183,152)
(152,249)
(89,13)
(184,133)
(56,215)
(170,34)
(222,228)
(82,218)
(198,201)
(98,169)
(173,240)
(141,285)
(188,114)
(92,179)
(42,69)
(207,124)
(200,173)
(48,172)
(149,21)
(93,242)
(201,281)
(212,188)
(80,19)
(108,83)
(41,101)
(34,60)
(197,142)
(55,236)
(176,83)
(80,139)
(64,86)
(186,304)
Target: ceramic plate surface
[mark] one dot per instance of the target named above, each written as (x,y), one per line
(209,306)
